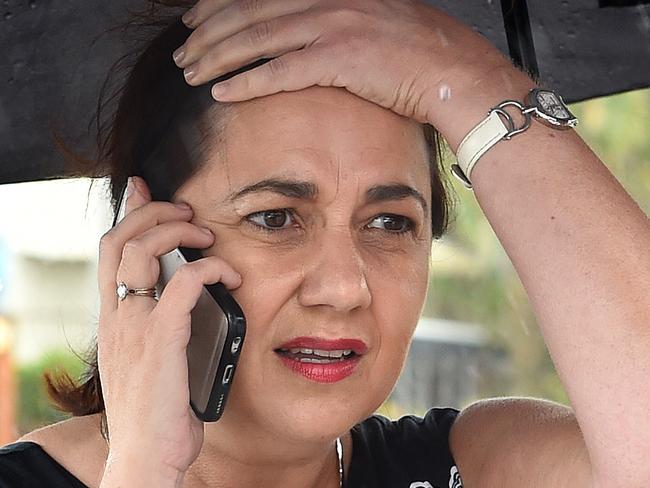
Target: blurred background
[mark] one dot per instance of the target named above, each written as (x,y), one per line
(477,337)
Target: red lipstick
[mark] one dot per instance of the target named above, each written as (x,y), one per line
(322,360)
(356,345)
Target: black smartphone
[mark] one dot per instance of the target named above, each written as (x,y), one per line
(217,336)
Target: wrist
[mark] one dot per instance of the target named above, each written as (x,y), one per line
(470,97)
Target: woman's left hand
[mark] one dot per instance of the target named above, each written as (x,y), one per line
(401,54)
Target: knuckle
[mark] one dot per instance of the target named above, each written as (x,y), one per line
(133,247)
(260,33)
(251,8)
(278,67)
(215,56)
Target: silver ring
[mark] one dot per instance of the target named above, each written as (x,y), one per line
(123,291)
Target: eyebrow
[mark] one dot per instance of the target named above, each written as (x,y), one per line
(306,190)
(289,188)
(395,191)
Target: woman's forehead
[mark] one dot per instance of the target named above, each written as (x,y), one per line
(320,133)
(322,116)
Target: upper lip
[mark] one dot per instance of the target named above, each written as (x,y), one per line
(355,345)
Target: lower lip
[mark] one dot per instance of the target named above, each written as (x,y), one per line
(323,372)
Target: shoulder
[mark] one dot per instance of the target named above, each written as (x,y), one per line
(512,442)
(76,444)
(75,433)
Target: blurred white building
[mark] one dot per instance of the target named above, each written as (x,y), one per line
(49,234)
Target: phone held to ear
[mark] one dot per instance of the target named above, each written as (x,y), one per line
(217,335)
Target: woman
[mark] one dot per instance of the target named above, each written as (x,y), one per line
(320,203)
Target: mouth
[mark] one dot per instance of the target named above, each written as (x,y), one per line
(322,360)
(316,356)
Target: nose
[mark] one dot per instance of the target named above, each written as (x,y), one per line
(335,275)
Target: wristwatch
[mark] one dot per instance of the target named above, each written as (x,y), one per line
(544,105)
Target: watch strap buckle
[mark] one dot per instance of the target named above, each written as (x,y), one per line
(526,112)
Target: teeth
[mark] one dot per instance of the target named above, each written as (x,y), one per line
(320,361)
(328,354)
(320,352)
(297,350)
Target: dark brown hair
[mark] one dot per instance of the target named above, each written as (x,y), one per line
(146,135)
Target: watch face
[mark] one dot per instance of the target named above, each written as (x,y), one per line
(551,107)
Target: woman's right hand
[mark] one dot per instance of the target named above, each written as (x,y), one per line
(142,342)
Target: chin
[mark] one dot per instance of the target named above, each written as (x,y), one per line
(317,418)
(270,394)
(303,410)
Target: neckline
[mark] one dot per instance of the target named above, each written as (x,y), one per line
(53,461)
(349,472)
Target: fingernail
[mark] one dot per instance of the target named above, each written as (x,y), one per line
(205,230)
(179,54)
(188,18)
(219,90)
(130,187)
(189,73)
(183,206)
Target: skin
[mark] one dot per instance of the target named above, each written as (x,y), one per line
(336,272)
(327,275)
(576,239)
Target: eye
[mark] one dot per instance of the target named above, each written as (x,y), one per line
(394,224)
(272,220)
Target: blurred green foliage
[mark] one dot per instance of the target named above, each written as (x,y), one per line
(472,278)
(34,408)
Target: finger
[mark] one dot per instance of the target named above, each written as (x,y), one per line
(290,72)
(234,18)
(267,39)
(140,268)
(202,10)
(112,242)
(182,292)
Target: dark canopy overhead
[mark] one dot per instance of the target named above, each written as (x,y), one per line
(54,60)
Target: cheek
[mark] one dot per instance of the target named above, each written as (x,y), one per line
(269,280)
(399,285)
(398,299)
(272,275)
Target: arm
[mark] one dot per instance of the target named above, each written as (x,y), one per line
(136,470)
(580,246)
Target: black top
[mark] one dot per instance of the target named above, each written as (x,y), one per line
(412,452)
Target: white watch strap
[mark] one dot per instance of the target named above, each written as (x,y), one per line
(481,138)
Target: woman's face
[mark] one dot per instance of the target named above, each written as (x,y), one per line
(333,266)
